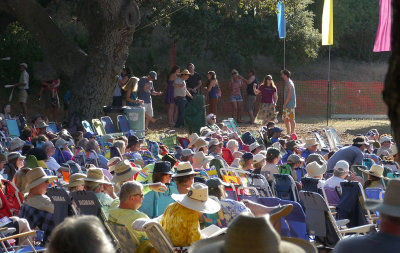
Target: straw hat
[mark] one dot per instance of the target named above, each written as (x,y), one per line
(310,142)
(36,176)
(112,162)
(201,159)
(314,169)
(192,139)
(205,132)
(186,72)
(200,143)
(123,171)
(375,170)
(254,145)
(252,234)
(76,179)
(96,175)
(391,202)
(184,169)
(16,143)
(197,199)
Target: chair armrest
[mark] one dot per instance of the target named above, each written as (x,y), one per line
(341,223)
(33,232)
(358,230)
(138,224)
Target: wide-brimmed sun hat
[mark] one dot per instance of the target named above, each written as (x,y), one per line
(192,139)
(252,234)
(201,159)
(254,145)
(200,143)
(375,170)
(310,142)
(162,167)
(112,162)
(197,199)
(123,171)
(16,143)
(213,142)
(391,202)
(314,169)
(258,158)
(184,169)
(186,72)
(76,179)
(96,175)
(36,176)
(60,143)
(293,158)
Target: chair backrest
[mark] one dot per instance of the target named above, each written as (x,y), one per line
(349,206)
(285,187)
(321,140)
(260,183)
(358,171)
(107,124)
(169,141)
(87,126)
(13,195)
(227,155)
(295,225)
(184,142)
(319,219)
(332,196)
(13,129)
(309,184)
(86,202)
(61,200)
(250,193)
(374,193)
(231,193)
(52,127)
(300,172)
(127,242)
(123,123)
(158,237)
(98,127)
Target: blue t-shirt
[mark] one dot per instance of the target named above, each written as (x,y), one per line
(370,243)
(145,88)
(350,154)
(292,101)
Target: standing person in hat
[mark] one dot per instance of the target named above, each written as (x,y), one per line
(314,170)
(235,85)
(230,209)
(37,207)
(251,89)
(375,175)
(23,87)
(15,162)
(180,93)
(353,155)
(145,91)
(289,102)
(184,177)
(95,181)
(271,168)
(252,234)
(181,219)
(213,92)
(388,237)
(311,147)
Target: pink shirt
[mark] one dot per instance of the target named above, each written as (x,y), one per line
(235,87)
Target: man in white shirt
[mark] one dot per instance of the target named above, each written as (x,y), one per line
(23,86)
(51,163)
(340,172)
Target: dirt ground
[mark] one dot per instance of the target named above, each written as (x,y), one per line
(346,129)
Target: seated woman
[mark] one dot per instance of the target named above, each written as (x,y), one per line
(375,175)
(181,219)
(230,209)
(15,162)
(246,163)
(271,168)
(37,207)
(184,177)
(76,182)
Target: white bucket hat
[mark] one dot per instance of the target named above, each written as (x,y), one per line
(391,202)
(310,142)
(254,145)
(201,159)
(314,169)
(197,199)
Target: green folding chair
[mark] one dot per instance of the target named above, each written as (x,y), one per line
(98,127)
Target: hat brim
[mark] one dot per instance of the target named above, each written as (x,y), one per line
(193,141)
(126,176)
(39,181)
(76,183)
(378,205)
(208,206)
(369,173)
(310,145)
(185,174)
(100,181)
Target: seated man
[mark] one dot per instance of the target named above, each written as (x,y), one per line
(133,148)
(51,163)
(131,197)
(37,207)
(332,184)
(388,238)
(314,170)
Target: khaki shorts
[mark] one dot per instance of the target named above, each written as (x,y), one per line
(148,109)
(22,96)
(250,102)
(288,113)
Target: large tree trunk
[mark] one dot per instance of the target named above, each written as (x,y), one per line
(110,25)
(391,93)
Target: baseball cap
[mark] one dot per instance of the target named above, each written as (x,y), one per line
(215,182)
(153,74)
(277,130)
(187,152)
(342,164)
(360,140)
(24,64)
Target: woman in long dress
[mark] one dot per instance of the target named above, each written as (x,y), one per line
(269,98)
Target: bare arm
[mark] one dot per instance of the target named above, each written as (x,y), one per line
(123,81)
(289,92)
(276,98)
(211,85)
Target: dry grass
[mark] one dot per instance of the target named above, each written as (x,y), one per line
(346,129)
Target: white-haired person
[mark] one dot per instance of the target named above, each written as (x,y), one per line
(80,234)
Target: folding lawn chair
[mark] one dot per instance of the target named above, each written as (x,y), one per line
(285,187)
(311,185)
(234,125)
(332,196)
(320,223)
(98,127)
(260,183)
(170,141)
(184,142)
(320,140)
(13,130)
(231,192)
(87,203)
(52,127)
(227,155)
(13,196)
(123,124)
(126,242)
(20,249)
(249,193)
(87,126)
(62,203)
(108,124)
(374,193)
(295,222)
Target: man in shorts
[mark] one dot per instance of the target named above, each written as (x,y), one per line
(145,90)
(289,105)
(23,87)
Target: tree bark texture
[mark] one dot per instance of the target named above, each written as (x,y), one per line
(110,25)
(391,93)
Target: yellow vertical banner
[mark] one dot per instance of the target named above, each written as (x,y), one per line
(327,23)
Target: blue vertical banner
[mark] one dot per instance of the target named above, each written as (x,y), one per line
(281,20)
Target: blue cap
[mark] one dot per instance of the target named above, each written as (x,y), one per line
(153,75)
(247,156)
(277,130)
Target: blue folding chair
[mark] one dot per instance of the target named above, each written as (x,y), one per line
(374,193)
(52,127)
(87,126)
(13,129)
(123,124)
(62,202)
(108,124)
(285,187)
(295,225)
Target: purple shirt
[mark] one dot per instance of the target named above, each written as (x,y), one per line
(267,94)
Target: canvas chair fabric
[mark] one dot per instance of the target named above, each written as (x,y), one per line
(87,203)
(123,124)
(87,126)
(98,127)
(108,124)
(13,129)
(349,206)
(285,187)
(13,196)
(332,196)
(62,204)
(127,242)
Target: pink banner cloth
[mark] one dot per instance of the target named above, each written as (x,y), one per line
(383,35)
